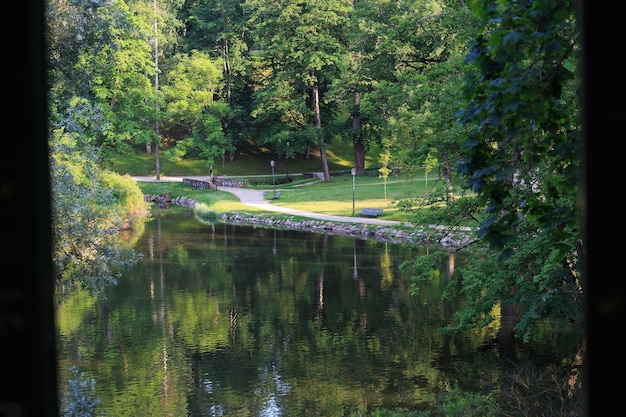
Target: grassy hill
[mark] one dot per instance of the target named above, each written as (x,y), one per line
(248,160)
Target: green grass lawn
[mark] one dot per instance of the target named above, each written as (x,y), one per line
(248,160)
(219,201)
(333,198)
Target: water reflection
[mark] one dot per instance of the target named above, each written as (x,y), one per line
(224,320)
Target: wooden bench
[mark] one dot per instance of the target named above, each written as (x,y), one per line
(370,212)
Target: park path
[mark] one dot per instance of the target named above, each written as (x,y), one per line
(256,198)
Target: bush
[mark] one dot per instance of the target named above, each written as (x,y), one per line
(456,402)
(126,193)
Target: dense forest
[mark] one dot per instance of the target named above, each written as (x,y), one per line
(486,91)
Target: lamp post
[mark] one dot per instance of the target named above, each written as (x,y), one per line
(353,172)
(287,161)
(273,178)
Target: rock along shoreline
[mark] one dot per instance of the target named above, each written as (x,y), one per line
(451,238)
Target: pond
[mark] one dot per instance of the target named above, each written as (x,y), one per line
(231,320)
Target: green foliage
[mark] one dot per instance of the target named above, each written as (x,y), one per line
(266,181)
(191,89)
(302,52)
(523,117)
(531,278)
(458,403)
(86,219)
(78,398)
(125,194)
(384,170)
(423,269)
(432,209)
(454,402)
(413,51)
(521,158)
(384,412)
(430,163)
(99,68)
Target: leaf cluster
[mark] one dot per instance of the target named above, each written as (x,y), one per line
(89,209)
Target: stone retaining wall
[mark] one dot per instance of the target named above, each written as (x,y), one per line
(217,182)
(449,238)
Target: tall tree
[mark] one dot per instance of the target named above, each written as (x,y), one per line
(99,69)
(303,52)
(194,107)
(408,56)
(348,87)
(430,110)
(155,42)
(219,28)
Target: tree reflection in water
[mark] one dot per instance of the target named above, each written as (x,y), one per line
(237,320)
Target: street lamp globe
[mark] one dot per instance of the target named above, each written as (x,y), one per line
(273,178)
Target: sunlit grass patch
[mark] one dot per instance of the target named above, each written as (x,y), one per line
(401,197)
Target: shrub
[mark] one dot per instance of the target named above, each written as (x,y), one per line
(126,193)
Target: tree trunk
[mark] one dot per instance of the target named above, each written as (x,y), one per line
(320,136)
(227,68)
(358,146)
(447,177)
(157,159)
(359,157)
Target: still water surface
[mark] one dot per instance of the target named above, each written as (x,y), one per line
(226,320)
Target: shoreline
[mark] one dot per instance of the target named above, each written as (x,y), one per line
(450,238)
